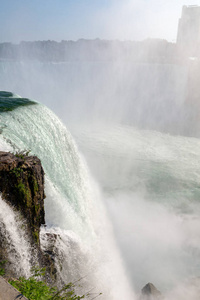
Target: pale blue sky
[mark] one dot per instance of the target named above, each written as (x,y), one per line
(105,19)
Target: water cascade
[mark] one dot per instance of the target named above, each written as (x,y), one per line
(150,183)
(130,123)
(17,247)
(85,245)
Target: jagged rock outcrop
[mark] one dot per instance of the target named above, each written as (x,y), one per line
(22,185)
(150,292)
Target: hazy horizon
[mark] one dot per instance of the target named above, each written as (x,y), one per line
(122,181)
(106,19)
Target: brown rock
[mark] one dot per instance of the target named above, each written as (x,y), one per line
(22,185)
(150,292)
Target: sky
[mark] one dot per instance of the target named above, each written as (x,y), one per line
(29,20)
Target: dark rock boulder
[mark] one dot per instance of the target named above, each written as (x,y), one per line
(150,292)
(22,186)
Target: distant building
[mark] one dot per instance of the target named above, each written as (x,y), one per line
(188,37)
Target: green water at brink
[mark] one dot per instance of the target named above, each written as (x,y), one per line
(10,101)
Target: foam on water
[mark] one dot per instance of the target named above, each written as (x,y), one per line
(151,187)
(73,204)
(17,245)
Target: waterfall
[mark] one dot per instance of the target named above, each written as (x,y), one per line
(74,209)
(17,246)
(150,183)
(139,200)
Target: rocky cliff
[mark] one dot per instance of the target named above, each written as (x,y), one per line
(22,186)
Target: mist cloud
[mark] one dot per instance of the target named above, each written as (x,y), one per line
(114,19)
(138,20)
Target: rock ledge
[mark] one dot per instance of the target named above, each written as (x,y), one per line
(22,186)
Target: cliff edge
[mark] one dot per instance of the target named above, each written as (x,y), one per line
(22,186)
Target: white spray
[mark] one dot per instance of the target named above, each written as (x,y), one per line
(17,245)
(85,245)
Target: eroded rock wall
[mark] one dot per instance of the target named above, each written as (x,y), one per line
(22,186)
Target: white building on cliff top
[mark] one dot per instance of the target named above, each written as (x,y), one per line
(188,36)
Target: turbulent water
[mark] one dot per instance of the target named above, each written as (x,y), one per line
(18,248)
(74,211)
(133,217)
(151,185)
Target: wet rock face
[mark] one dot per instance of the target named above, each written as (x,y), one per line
(22,185)
(49,254)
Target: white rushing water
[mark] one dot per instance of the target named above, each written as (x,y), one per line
(140,223)
(151,187)
(17,245)
(73,206)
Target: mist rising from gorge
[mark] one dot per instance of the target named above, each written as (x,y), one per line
(133,109)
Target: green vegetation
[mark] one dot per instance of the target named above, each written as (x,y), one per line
(24,193)
(35,185)
(2,271)
(17,172)
(22,154)
(36,238)
(35,289)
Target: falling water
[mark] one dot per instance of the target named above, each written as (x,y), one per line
(85,246)
(17,245)
(147,180)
